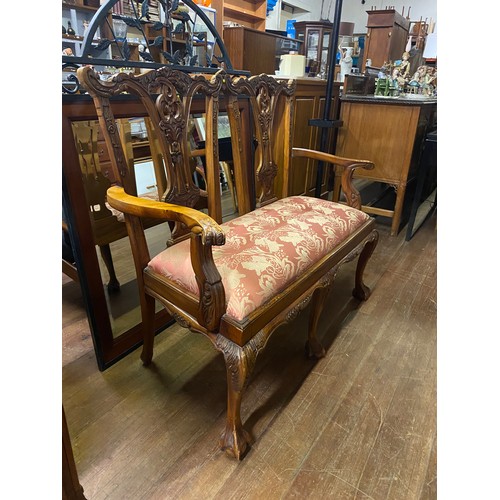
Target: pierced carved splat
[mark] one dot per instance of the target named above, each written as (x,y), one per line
(168,113)
(93,176)
(264,92)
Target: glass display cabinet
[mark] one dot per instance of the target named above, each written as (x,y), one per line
(315,36)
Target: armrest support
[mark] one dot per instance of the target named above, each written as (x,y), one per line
(205,233)
(349,165)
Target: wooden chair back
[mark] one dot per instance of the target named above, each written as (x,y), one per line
(167,96)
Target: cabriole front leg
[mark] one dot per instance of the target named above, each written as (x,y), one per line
(361,291)
(314,349)
(240,362)
(148,316)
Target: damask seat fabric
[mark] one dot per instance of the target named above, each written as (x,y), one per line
(266,250)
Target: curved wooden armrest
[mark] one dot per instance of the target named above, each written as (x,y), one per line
(196,221)
(353,197)
(329,158)
(206,231)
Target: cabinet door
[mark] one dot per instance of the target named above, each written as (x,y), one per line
(304,137)
(378,45)
(312,50)
(325,44)
(398,38)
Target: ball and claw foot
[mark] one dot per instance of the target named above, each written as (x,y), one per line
(235,442)
(361,292)
(314,349)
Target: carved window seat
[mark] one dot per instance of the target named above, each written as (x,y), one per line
(234,282)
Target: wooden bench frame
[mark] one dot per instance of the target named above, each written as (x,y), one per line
(167,95)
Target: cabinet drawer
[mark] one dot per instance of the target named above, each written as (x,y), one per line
(102,152)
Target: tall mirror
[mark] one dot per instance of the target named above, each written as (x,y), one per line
(101,251)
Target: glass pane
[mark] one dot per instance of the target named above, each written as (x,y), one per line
(326,40)
(312,55)
(312,39)
(147,175)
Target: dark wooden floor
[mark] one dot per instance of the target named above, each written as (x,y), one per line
(359,423)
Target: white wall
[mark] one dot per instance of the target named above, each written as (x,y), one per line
(353,11)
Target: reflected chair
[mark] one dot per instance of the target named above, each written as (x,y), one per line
(108,224)
(233,282)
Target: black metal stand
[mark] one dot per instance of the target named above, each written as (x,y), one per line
(327,122)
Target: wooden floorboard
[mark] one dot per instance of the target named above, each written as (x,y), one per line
(359,423)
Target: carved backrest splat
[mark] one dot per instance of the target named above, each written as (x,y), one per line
(167,96)
(264,92)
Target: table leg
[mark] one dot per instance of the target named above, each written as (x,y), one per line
(398,209)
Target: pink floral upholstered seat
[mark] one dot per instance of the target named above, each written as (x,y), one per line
(266,249)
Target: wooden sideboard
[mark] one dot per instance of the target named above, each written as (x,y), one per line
(390,132)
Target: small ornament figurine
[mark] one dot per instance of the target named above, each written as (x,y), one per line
(404,68)
(64,30)
(70,29)
(345,61)
(144,54)
(417,80)
(429,81)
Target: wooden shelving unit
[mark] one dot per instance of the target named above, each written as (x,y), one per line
(248,13)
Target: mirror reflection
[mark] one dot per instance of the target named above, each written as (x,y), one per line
(148,178)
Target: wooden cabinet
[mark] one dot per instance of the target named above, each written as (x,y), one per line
(386,37)
(256,51)
(309,103)
(391,134)
(316,42)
